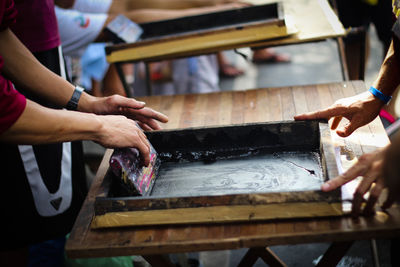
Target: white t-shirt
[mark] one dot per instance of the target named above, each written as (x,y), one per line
(77,30)
(92,6)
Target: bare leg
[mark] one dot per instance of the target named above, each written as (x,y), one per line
(267,55)
(111,83)
(226,69)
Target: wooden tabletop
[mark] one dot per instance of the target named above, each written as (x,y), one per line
(309,20)
(272,104)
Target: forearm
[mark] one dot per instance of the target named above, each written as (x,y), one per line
(389,74)
(64,3)
(118,6)
(24,70)
(39,125)
(148,15)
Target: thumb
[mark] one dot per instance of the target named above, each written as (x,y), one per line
(347,129)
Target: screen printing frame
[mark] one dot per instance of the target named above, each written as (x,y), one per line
(201,33)
(137,211)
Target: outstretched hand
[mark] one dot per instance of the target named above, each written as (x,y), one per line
(369,166)
(358,110)
(118,105)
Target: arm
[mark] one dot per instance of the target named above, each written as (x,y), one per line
(119,6)
(38,125)
(40,80)
(389,78)
(360,110)
(363,108)
(148,15)
(21,67)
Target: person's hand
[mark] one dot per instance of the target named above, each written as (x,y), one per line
(369,166)
(119,131)
(358,110)
(118,105)
(391,171)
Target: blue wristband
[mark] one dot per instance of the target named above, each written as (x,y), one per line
(378,94)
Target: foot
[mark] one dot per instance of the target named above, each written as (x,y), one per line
(229,71)
(269,56)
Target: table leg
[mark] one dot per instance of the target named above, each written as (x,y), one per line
(149,86)
(158,260)
(375,254)
(266,254)
(118,67)
(342,59)
(334,254)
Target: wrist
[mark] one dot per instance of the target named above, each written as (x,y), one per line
(90,126)
(379,95)
(87,103)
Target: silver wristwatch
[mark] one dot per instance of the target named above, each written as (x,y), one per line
(73,102)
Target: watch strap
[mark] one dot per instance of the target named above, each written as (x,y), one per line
(73,102)
(381,96)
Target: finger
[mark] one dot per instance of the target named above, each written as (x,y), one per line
(150,123)
(358,199)
(144,150)
(308,116)
(321,114)
(335,122)
(145,140)
(151,113)
(348,129)
(127,102)
(145,127)
(374,194)
(389,201)
(352,173)
(365,184)
(143,137)
(146,114)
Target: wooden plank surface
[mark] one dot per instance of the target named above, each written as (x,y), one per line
(86,242)
(320,24)
(200,43)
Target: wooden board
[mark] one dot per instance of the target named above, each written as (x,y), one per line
(201,32)
(225,174)
(227,109)
(213,22)
(320,24)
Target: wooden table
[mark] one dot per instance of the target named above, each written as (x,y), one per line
(273,104)
(314,20)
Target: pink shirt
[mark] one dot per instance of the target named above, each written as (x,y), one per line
(12,103)
(38,34)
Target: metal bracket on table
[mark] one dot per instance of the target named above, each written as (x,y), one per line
(126,86)
(121,75)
